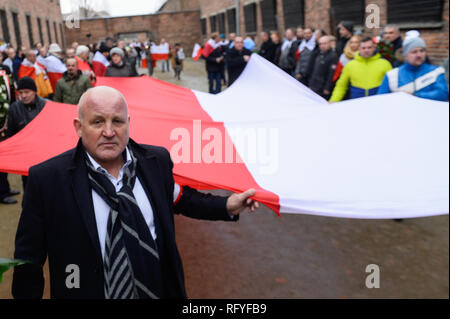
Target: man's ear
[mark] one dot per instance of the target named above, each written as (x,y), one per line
(77,126)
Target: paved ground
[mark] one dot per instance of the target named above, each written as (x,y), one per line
(295,256)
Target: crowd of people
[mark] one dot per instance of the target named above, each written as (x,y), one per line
(347,65)
(30,77)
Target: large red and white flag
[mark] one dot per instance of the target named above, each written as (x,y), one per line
(383,156)
(209,47)
(160,52)
(197,52)
(99,64)
(55,69)
(37,72)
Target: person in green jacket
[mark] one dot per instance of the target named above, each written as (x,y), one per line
(363,75)
(72,85)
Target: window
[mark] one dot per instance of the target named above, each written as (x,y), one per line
(294,13)
(348,10)
(4,20)
(231,19)
(41,38)
(63,42)
(56,33)
(49,34)
(269,14)
(203,23)
(221,22)
(17,29)
(30,31)
(212,22)
(414,11)
(250,17)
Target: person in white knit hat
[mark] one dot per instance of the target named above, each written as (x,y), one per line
(118,66)
(416,76)
(54,64)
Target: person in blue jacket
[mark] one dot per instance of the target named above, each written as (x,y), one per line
(415,76)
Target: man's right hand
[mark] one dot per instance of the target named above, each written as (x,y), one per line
(218,60)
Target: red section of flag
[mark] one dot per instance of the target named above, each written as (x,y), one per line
(207,50)
(338,71)
(27,71)
(54,77)
(297,55)
(83,65)
(160,56)
(199,54)
(171,109)
(98,68)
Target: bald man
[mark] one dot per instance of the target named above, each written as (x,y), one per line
(103,213)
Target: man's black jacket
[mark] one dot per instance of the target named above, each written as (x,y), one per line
(58,221)
(236,63)
(21,114)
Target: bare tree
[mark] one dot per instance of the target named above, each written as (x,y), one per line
(89,8)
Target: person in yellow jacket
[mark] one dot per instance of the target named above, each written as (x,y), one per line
(363,75)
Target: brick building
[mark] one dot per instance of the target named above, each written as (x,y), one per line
(176,21)
(430,17)
(25,22)
(179,5)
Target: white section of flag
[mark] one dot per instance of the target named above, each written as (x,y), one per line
(384,156)
(195,50)
(160,49)
(99,57)
(54,65)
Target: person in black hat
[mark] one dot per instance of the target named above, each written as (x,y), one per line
(24,110)
(345,32)
(109,43)
(104,50)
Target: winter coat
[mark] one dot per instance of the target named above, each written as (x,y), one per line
(211,63)
(69,90)
(177,58)
(322,76)
(267,51)
(277,56)
(123,70)
(236,63)
(340,45)
(20,114)
(426,81)
(362,76)
(303,63)
(292,55)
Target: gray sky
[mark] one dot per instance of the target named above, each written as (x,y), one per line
(116,7)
